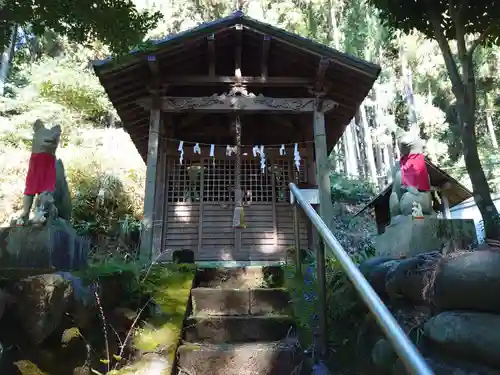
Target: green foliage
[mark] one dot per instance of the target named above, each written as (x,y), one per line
(73,97)
(101,203)
(348,189)
(346,311)
(408,15)
(116,22)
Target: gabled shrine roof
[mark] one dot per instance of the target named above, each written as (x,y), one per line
(127,79)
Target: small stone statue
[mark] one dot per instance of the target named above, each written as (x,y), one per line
(45,178)
(410,178)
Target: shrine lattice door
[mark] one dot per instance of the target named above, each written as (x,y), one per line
(201,206)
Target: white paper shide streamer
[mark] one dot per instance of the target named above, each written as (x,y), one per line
(259,150)
(230,150)
(197,149)
(282,150)
(212,153)
(296,156)
(181,151)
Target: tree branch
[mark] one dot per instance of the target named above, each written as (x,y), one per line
(451,65)
(485,34)
(458,19)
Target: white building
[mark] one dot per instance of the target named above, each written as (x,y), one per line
(468,210)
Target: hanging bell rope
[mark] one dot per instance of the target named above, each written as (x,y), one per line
(239,215)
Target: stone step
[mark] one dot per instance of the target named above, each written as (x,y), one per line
(237,329)
(259,301)
(269,358)
(242,277)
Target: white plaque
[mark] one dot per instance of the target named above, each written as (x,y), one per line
(310,195)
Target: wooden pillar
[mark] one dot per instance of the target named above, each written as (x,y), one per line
(445,205)
(159,213)
(326,212)
(149,196)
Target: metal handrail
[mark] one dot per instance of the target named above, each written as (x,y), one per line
(407,352)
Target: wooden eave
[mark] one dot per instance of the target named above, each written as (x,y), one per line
(129,79)
(457,193)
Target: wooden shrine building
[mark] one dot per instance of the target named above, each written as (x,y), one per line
(234,81)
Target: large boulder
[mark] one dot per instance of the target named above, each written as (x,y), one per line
(375,271)
(54,245)
(442,366)
(469,335)
(3,302)
(468,281)
(40,303)
(409,278)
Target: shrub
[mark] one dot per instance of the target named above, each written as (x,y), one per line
(100,202)
(350,190)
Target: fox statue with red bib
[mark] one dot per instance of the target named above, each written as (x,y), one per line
(410,178)
(45,179)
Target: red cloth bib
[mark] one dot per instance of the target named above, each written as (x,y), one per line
(414,172)
(41,174)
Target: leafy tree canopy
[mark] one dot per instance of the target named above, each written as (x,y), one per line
(477,16)
(116,23)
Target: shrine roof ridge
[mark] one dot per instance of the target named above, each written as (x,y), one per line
(207,28)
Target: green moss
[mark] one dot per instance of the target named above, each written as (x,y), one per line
(302,309)
(170,287)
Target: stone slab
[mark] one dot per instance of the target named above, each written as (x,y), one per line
(409,236)
(242,277)
(269,301)
(53,246)
(217,301)
(236,329)
(274,358)
(224,301)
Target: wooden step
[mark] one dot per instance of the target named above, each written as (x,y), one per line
(237,329)
(258,301)
(269,358)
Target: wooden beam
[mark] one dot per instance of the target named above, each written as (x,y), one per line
(211,55)
(232,102)
(265,55)
(238,51)
(146,249)
(320,84)
(203,80)
(154,68)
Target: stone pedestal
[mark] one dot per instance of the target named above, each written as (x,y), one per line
(407,236)
(31,249)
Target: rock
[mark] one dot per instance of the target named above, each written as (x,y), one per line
(149,364)
(468,281)
(53,246)
(441,366)
(40,302)
(375,270)
(82,370)
(383,355)
(408,279)
(3,302)
(472,335)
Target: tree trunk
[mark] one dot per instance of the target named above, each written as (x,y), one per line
(480,188)
(489,121)
(464,89)
(6,59)
(408,84)
(370,159)
(352,161)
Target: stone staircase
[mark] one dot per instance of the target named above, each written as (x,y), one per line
(239,325)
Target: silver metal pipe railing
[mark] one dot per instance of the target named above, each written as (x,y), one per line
(407,352)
